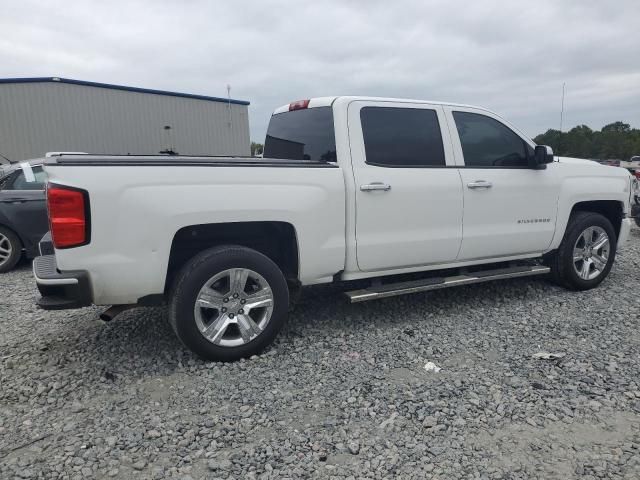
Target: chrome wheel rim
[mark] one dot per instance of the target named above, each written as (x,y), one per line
(5,249)
(233,307)
(591,253)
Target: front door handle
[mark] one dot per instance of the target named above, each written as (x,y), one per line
(479,184)
(375,186)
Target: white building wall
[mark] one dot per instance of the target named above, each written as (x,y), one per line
(53,116)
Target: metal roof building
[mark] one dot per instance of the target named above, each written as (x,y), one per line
(39,115)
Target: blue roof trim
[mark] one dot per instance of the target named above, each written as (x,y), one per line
(121,87)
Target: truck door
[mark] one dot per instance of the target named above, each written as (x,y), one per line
(509,208)
(408,191)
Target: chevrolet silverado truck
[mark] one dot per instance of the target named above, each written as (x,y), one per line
(384,196)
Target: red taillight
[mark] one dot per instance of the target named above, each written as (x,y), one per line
(68,211)
(299,105)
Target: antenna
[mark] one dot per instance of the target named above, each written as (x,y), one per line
(229,105)
(562,108)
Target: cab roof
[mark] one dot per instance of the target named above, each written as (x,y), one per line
(329,101)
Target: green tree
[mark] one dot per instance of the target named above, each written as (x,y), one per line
(579,142)
(617,127)
(552,138)
(616,140)
(256,149)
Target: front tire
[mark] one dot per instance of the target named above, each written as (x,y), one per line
(586,254)
(229,303)
(10,249)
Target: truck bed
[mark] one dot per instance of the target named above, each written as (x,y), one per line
(139,204)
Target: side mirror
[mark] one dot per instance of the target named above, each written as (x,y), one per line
(543,154)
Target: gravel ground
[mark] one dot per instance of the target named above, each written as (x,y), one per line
(343,393)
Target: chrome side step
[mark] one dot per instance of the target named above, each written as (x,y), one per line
(402,288)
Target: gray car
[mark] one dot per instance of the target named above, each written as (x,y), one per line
(23,212)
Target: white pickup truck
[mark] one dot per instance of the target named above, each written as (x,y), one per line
(400,196)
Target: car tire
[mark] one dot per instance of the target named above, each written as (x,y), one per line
(228,303)
(578,264)
(10,249)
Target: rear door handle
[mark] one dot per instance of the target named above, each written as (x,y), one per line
(375,186)
(479,184)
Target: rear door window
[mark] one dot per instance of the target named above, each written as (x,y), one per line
(402,137)
(306,134)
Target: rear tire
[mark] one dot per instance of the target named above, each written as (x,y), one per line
(228,303)
(586,254)
(10,249)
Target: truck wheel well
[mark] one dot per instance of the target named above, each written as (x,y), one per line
(611,209)
(276,240)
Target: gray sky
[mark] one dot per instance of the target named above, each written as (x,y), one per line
(508,56)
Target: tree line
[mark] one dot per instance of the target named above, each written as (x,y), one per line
(614,141)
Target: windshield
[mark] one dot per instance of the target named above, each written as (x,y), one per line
(302,135)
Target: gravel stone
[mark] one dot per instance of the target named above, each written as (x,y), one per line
(342,394)
(139,465)
(354,448)
(429,422)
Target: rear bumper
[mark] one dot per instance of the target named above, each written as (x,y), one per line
(60,290)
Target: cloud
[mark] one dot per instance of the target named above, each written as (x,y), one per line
(508,56)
